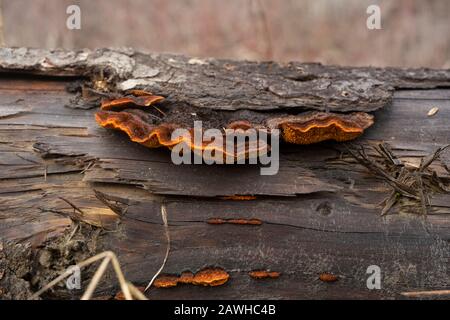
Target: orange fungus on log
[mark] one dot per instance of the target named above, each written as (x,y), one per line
(207,277)
(328,277)
(128,114)
(137,130)
(133,123)
(135,98)
(263,274)
(315,127)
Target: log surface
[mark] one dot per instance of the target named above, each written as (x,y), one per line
(319,214)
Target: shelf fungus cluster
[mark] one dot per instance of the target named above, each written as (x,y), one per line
(153,122)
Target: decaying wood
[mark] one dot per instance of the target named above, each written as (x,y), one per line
(70,189)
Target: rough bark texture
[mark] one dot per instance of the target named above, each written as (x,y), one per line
(319,214)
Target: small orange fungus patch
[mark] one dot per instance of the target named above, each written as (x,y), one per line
(134,98)
(264,274)
(328,277)
(207,277)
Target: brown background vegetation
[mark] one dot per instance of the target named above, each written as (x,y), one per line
(414,32)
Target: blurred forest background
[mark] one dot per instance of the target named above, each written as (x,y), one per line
(414,32)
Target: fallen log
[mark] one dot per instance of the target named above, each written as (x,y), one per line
(70,189)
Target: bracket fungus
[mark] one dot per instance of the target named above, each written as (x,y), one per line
(137,129)
(224,91)
(133,98)
(134,124)
(314,127)
(135,115)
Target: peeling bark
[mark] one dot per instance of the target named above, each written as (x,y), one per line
(227,84)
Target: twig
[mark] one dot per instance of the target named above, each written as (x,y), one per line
(166,231)
(109,202)
(107,256)
(362,158)
(96,279)
(415,183)
(136,292)
(77,217)
(75,229)
(160,111)
(418,294)
(385,151)
(389,203)
(425,163)
(422,193)
(87,167)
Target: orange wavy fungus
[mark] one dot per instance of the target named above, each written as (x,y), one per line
(316,127)
(131,115)
(134,98)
